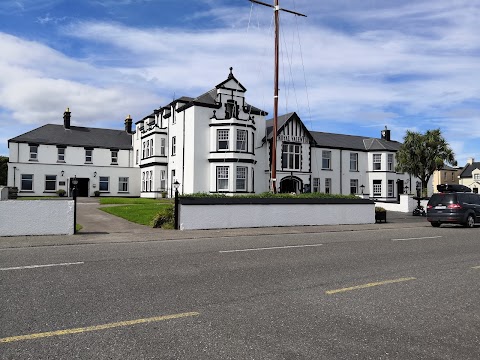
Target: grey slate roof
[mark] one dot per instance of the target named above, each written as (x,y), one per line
(52,134)
(467,171)
(339,141)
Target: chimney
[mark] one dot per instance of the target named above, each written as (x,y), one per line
(470,161)
(386,134)
(128,124)
(66,118)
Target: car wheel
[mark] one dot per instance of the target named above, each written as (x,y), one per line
(470,221)
(435,224)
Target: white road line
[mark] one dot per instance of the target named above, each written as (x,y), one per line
(40,266)
(419,238)
(270,248)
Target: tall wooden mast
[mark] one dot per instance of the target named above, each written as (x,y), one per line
(276,8)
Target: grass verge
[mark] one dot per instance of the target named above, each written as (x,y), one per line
(118,200)
(142,213)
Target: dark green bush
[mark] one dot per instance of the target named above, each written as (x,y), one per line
(165,218)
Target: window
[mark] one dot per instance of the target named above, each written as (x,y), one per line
(143,181)
(222,139)
(390,162)
(377,161)
(147,148)
(353,186)
(162,147)
(230,109)
(326,159)
(151,147)
(123,184)
(476,176)
(136,157)
(50,182)
(144,150)
(88,155)
(222,178)
(147,181)
(445,176)
(353,161)
(151,180)
(241,178)
(174,145)
(34,152)
(103,185)
(291,156)
(61,154)
(242,140)
(114,156)
(377,187)
(162,179)
(328,186)
(453,176)
(390,188)
(316,185)
(27,182)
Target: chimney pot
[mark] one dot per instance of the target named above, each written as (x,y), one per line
(128,124)
(66,118)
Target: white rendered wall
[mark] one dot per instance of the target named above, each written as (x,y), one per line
(407,204)
(237,216)
(36,217)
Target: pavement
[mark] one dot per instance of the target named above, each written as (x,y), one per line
(101,227)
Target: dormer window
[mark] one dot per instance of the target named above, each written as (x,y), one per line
(231,109)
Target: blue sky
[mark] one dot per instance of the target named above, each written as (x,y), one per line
(350,67)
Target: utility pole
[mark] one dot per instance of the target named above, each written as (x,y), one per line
(276,8)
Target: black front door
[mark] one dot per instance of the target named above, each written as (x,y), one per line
(399,189)
(82,187)
(288,185)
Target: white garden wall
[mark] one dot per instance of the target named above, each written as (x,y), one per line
(220,216)
(36,217)
(406,205)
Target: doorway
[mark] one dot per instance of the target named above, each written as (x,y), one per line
(400,189)
(82,187)
(290,184)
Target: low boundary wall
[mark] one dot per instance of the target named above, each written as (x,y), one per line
(406,205)
(36,217)
(226,213)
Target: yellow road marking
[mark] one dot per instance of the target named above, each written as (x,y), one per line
(329,292)
(96,327)
(476,267)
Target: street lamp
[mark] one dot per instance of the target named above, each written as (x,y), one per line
(406,189)
(74,194)
(176,184)
(362,187)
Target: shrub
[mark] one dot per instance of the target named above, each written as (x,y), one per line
(379,209)
(164,218)
(61,192)
(96,193)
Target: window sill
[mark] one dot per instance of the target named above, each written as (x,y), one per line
(124,192)
(114,164)
(33,160)
(104,192)
(26,191)
(60,161)
(50,191)
(88,162)
(354,171)
(327,169)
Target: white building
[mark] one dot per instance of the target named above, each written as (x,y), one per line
(214,143)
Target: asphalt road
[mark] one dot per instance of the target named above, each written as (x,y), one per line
(409,293)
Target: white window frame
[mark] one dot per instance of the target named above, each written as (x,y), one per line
(23,178)
(174,145)
(87,156)
(222,178)
(377,188)
(151,147)
(242,176)
(390,188)
(353,161)
(114,154)
(476,176)
(162,147)
(230,109)
(390,162)
(136,157)
(163,178)
(144,149)
(103,180)
(316,185)
(377,162)
(122,184)
(61,154)
(242,140)
(354,186)
(326,160)
(328,186)
(33,152)
(143,181)
(291,156)
(151,180)
(49,180)
(223,139)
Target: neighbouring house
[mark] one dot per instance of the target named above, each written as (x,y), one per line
(48,158)
(214,143)
(470,175)
(446,175)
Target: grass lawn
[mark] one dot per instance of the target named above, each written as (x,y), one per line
(140,213)
(117,200)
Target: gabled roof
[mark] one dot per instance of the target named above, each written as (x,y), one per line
(52,134)
(238,86)
(467,170)
(282,121)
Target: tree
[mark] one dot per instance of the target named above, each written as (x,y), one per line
(3,170)
(421,155)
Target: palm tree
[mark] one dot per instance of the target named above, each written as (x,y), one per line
(422,154)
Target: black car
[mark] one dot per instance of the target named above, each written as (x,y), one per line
(451,206)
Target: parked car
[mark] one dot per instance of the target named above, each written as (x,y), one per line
(454,207)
